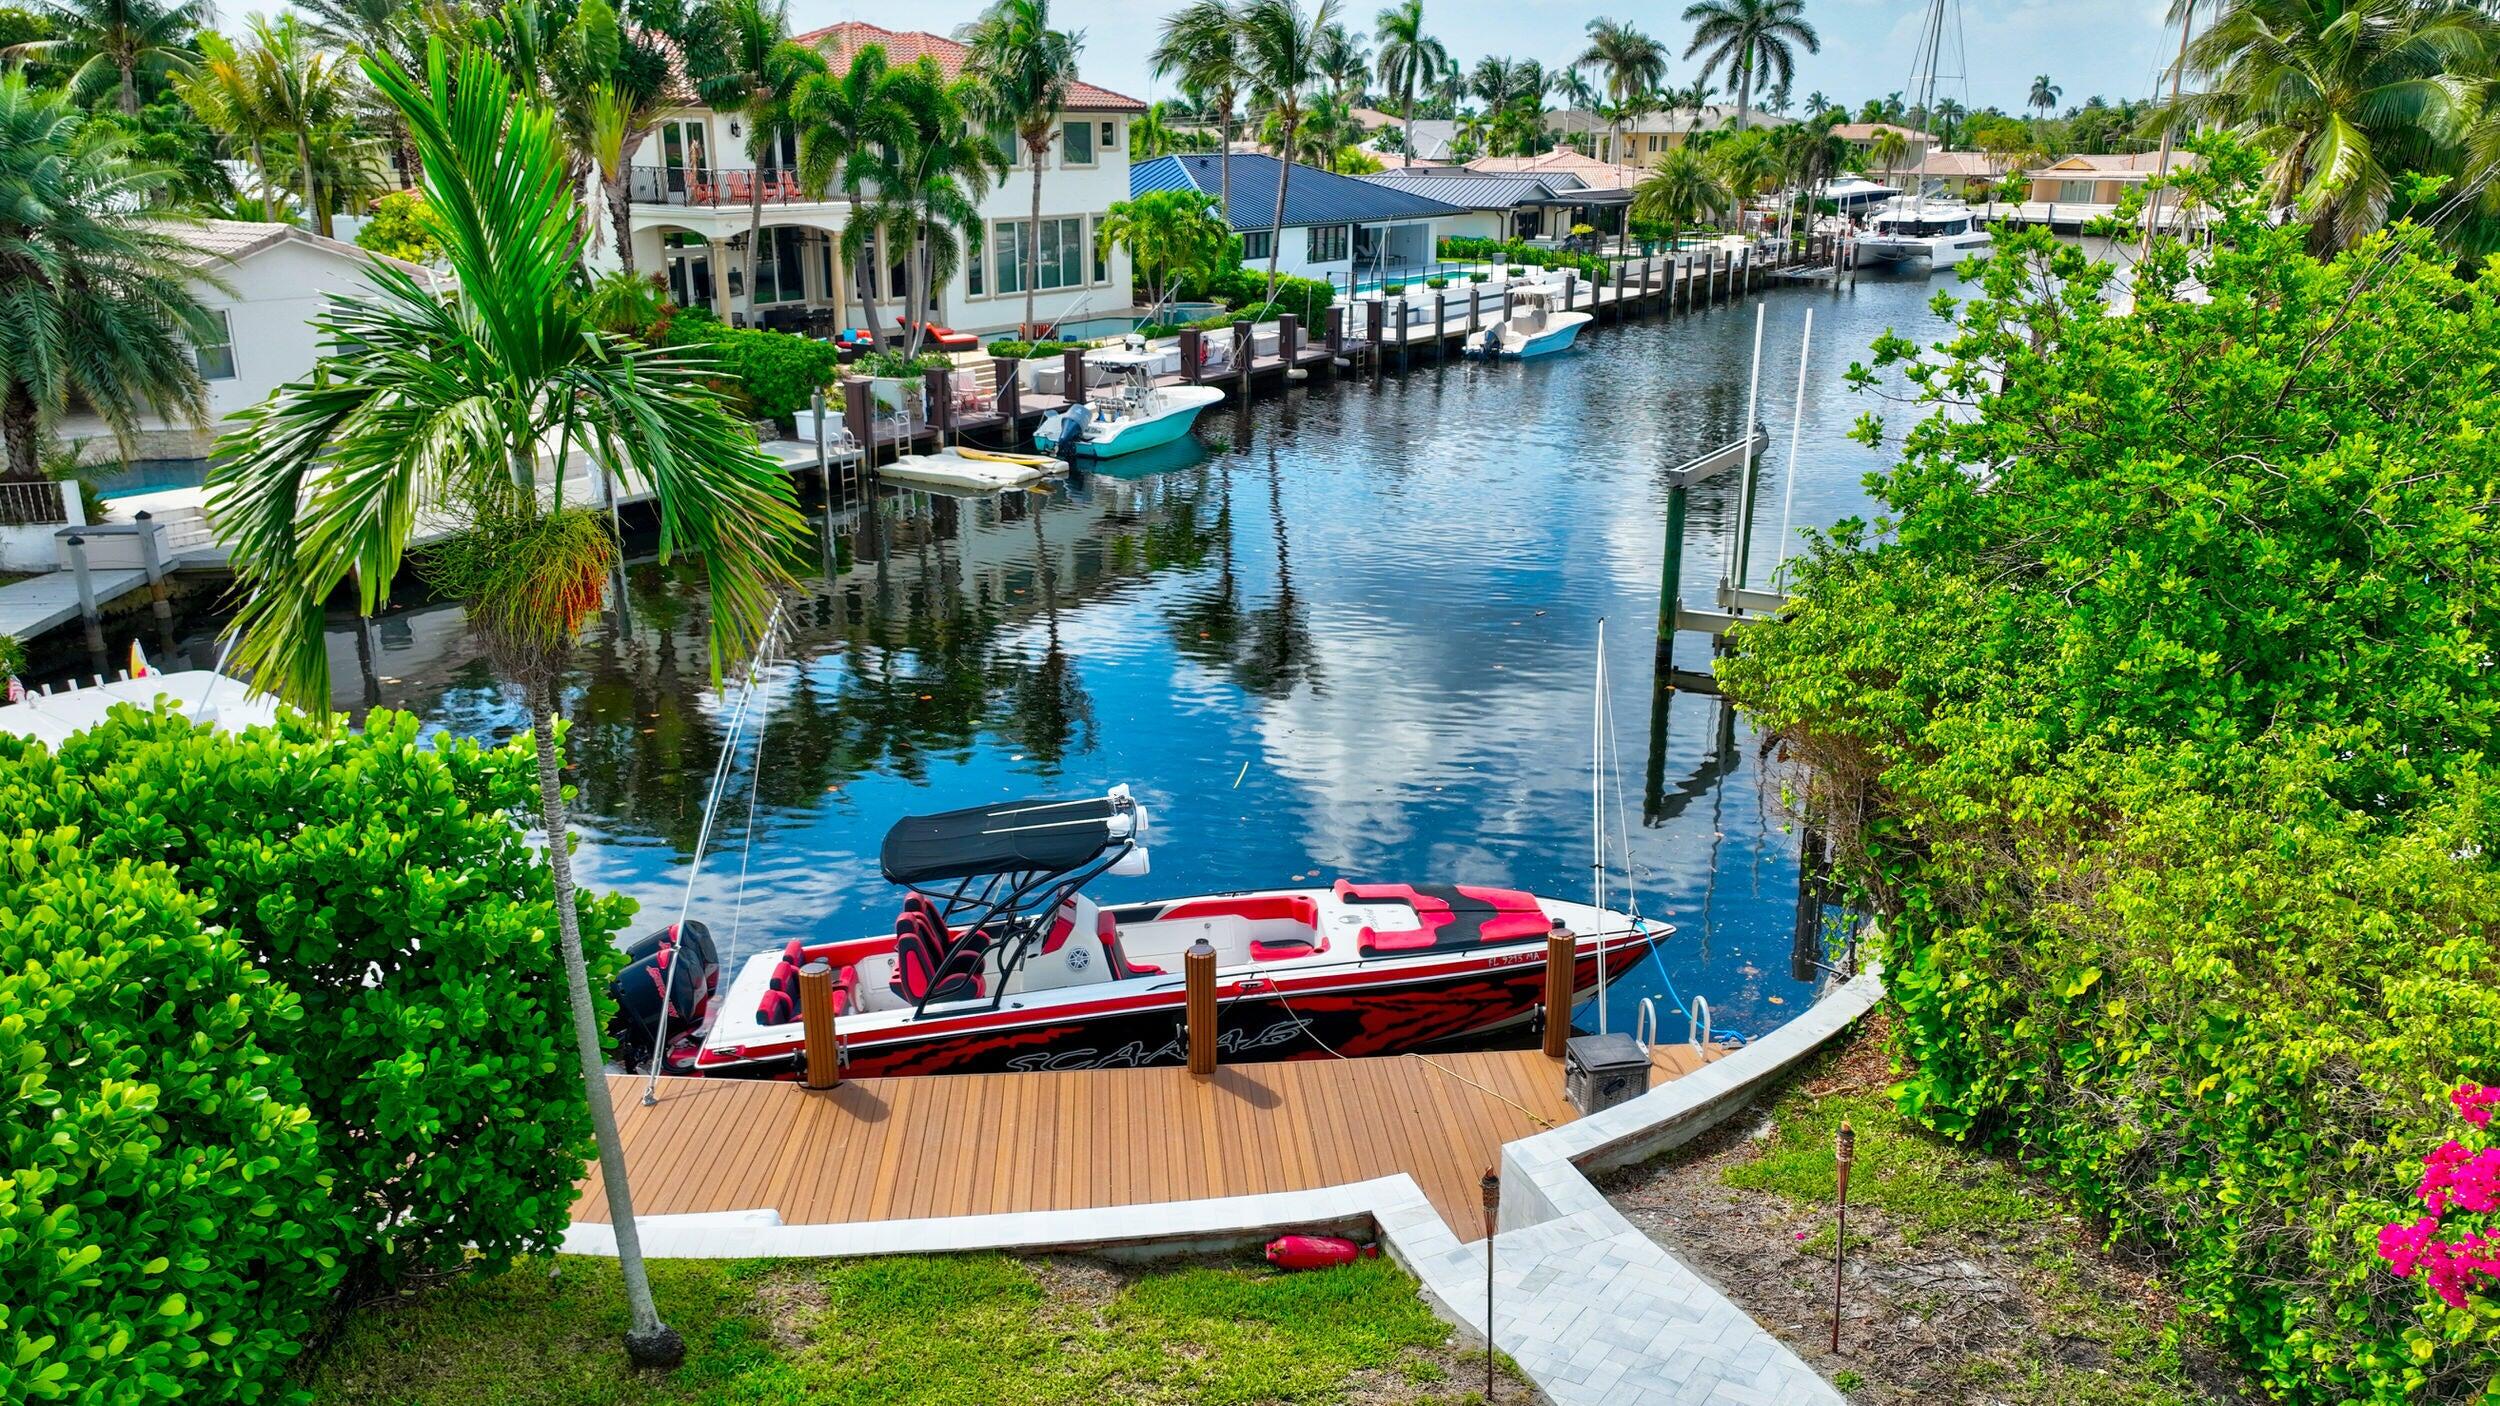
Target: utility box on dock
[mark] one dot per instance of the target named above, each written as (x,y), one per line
(1600,1071)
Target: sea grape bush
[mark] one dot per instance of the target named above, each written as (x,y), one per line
(376,971)
(166,1229)
(2155,715)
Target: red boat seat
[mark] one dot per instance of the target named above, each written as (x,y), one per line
(933,964)
(1446,915)
(781,999)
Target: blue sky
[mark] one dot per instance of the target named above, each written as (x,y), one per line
(2111,47)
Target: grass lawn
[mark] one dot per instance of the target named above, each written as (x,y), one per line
(969,1329)
(1967,1281)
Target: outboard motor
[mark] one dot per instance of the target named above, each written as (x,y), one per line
(678,967)
(1491,342)
(1060,434)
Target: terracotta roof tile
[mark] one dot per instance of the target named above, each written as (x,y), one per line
(841,42)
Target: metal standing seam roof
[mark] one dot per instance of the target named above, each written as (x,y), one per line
(1312,196)
(1471,192)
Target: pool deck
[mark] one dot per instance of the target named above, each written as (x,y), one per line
(986,1144)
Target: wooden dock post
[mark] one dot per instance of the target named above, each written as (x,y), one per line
(1372,330)
(1475,304)
(938,388)
(859,411)
(1193,354)
(1198,977)
(1335,331)
(1010,393)
(1244,347)
(824,1057)
(1562,964)
(1072,374)
(1622,278)
(1440,326)
(1289,339)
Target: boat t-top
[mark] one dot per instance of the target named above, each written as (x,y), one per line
(997,960)
(1533,327)
(1135,412)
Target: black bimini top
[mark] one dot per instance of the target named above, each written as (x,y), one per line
(1016,837)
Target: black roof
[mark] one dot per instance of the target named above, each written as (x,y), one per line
(1014,837)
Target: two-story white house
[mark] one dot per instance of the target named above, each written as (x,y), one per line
(693,184)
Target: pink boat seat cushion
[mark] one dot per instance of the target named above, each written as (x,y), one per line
(1446,915)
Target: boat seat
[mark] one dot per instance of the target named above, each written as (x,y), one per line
(1445,916)
(781,1005)
(933,964)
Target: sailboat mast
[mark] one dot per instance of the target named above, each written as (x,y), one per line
(1597,819)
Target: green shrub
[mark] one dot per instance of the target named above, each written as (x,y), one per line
(893,364)
(777,374)
(337,855)
(1436,281)
(1521,256)
(1391,290)
(2158,723)
(1028,351)
(1478,276)
(165,1227)
(1517,271)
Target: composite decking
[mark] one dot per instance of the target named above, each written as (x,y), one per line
(975,1144)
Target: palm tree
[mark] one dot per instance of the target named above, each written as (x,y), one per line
(1634,65)
(1948,112)
(846,121)
(1408,60)
(116,41)
(1344,62)
(1681,188)
(303,90)
(1024,69)
(1169,234)
(929,186)
(1817,104)
(1201,43)
(466,409)
(220,89)
(2044,95)
(96,302)
(1280,52)
(1750,37)
(1449,87)
(2344,93)
(1887,150)
(747,65)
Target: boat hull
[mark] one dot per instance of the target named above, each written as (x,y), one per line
(1373,1009)
(1563,331)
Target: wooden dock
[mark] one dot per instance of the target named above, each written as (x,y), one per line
(974,1144)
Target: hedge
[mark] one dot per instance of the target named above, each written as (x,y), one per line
(777,374)
(393,933)
(2157,722)
(1519,254)
(166,1230)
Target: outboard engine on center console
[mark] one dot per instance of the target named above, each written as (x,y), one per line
(678,966)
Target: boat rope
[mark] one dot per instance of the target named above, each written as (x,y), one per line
(1635,874)
(703,837)
(1533,1116)
(746,854)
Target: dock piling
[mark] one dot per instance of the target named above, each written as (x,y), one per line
(859,409)
(1198,977)
(824,1056)
(87,611)
(1440,326)
(1562,963)
(152,565)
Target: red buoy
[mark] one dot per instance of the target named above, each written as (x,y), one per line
(1316,1252)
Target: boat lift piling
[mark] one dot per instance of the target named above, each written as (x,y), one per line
(1561,968)
(824,1053)
(1198,978)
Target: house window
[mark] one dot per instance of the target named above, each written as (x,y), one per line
(2077,192)
(215,356)
(1056,260)
(1327,244)
(1076,143)
(1102,254)
(1257,245)
(974,264)
(779,262)
(1110,135)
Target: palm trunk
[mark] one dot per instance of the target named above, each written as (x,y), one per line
(621,214)
(268,187)
(864,280)
(2152,217)
(1224,156)
(20,428)
(130,90)
(916,288)
(1276,227)
(647,1339)
(303,162)
(1410,131)
(755,240)
(1033,236)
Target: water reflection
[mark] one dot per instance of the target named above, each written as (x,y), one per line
(1347,631)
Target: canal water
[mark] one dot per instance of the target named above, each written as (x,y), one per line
(1348,632)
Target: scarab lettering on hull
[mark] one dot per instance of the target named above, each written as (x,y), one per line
(1137,1054)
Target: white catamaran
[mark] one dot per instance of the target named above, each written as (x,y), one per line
(1940,231)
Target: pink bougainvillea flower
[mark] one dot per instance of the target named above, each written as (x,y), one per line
(2439,1172)
(2402,1245)
(2476,1102)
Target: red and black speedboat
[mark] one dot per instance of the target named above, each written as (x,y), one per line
(999,961)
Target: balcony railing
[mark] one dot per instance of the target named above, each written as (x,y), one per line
(675,185)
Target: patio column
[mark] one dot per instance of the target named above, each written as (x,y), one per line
(720,278)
